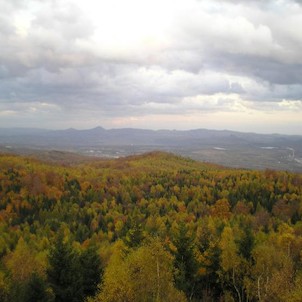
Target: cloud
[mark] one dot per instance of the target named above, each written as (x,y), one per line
(76,59)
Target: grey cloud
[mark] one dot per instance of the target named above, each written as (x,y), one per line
(209,52)
(252,34)
(236,88)
(277,93)
(49,43)
(266,69)
(114,89)
(6,28)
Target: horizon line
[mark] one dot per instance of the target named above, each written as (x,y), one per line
(148,129)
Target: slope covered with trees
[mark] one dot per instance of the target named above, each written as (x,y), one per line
(154,227)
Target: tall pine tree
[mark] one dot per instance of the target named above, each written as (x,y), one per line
(64,273)
(185,262)
(91,270)
(36,290)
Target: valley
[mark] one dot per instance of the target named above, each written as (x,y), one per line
(228,148)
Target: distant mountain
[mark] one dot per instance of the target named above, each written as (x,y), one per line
(226,147)
(130,136)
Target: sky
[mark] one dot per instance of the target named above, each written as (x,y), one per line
(160,64)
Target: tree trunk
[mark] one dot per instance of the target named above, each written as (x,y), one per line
(258,288)
(158,281)
(234,284)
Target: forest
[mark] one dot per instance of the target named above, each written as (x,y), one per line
(151,227)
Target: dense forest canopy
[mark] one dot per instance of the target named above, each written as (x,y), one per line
(154,227)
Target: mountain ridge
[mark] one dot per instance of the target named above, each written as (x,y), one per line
(223,147)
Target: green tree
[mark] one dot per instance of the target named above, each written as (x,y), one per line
(91,270)
(247,242)
(185,262)
(134,235)
(64,273)
(36,290)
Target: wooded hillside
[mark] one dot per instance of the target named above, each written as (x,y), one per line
(154,227)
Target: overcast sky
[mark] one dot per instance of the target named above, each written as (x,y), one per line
(157,64)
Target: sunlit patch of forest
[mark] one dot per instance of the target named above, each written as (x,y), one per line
(154,227)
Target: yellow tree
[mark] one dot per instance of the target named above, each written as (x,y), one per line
(272,272)
(230,261)
(151,269)
(22,263)
(221,209)
(145,274)
(295,294)
(117,285)
(4,287)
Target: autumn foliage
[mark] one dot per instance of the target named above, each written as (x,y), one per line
(154,227)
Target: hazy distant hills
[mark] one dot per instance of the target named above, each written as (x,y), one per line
(100,136)
(225,147)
